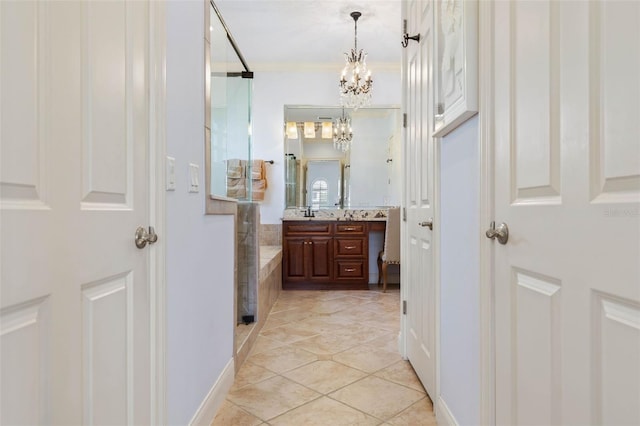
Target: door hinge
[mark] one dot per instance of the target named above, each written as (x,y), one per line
(404,214)
(404,307)
(404,120)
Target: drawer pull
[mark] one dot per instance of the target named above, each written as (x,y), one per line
(349,228)
(349,247)
(349,269)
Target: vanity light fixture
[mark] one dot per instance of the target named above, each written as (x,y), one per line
(355,81)
(292,130)
(309,129)
(327,130)
(342,133)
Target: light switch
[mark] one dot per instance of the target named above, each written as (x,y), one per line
(194,172)
(171,173)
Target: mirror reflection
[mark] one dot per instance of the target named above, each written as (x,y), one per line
(321,173)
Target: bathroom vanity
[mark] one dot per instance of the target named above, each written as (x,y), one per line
(328,252)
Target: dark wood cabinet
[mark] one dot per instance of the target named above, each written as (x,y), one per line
(294,258)
(308,259)
(325,255)
(319,258)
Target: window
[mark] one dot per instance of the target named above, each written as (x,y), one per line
(319,193)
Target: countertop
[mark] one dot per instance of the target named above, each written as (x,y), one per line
(377,214)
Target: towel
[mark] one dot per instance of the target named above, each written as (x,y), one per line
(258,169)
(236,188)
(236,168)
(237,182)
(258,187)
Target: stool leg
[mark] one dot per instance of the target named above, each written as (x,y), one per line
(384,276)
(379,267)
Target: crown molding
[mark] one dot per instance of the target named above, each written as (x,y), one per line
(320,67)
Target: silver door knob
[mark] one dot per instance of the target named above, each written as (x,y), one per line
(142,237)
(428,223)
(501,233)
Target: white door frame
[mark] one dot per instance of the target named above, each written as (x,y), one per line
(157,207)
(486,211)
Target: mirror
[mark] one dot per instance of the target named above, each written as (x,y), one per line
(366,175)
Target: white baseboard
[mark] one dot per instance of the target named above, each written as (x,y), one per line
(216,396)
(444,416)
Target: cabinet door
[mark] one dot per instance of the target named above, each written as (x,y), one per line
(320,256)
(294,258)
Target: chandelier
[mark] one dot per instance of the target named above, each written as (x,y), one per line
(355,81)
(342,133)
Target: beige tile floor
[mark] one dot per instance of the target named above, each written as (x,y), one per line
(328,358)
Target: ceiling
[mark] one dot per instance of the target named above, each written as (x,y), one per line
(304,33)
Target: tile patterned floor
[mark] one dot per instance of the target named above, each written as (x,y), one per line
(328,358)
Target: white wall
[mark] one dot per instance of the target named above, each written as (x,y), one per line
(200,306)
(275,89)
(459,285)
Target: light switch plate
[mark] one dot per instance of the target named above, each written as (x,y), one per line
(194,173)
(171,174)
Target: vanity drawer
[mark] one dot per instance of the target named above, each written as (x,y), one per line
(350,246)
(351,228)
(350,270)
(307,228)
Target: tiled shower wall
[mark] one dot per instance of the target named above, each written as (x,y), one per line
(248,262)
(271,234)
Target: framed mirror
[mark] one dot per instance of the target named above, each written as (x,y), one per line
(367,174)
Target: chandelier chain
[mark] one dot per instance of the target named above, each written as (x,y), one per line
(355,38)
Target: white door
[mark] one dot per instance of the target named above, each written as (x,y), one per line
(567,184)
(75,289)
(418,269)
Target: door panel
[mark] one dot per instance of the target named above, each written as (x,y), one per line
(567,183)
(294,261)
(75,314)
(419,151)
(615,101)
(615,346)
(25,362)
(535,73)
(24,104)
(107,330)
(320,258)
(536,323)
(105,77)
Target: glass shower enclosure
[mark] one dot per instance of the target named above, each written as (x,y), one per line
(231,87)
(230,90)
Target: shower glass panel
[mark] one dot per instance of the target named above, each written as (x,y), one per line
(231,91)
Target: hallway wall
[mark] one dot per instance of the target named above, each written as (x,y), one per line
(200,307)
(273,90)
(459,273)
